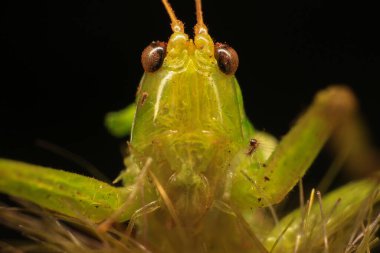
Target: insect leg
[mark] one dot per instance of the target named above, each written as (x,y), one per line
(119,123)
(255,186)
(64,192)
(345,215)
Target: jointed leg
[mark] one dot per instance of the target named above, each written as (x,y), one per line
(256,185)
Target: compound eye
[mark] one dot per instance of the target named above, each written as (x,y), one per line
(227,58)
(153,56)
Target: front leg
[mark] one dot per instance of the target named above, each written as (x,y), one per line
(63,192)
(255,185)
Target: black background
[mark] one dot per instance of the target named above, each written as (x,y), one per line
(66,64)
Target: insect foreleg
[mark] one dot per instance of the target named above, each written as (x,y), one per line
(255,185)
(64,192)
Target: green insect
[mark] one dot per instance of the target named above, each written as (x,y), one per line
(197,177)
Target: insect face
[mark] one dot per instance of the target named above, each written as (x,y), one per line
(190,120)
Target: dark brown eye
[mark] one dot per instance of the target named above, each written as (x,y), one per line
(227,58)
(153,56)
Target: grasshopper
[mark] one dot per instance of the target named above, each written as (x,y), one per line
(197,179)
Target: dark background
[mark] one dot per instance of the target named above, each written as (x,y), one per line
(64,67)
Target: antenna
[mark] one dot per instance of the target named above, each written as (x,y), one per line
(200,27)
(176,25)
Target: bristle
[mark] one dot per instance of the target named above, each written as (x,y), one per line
(365,238)
(104,226)
(280,237)
(309,205)
(169,206)
(53,234)
(70,156)
(323,219)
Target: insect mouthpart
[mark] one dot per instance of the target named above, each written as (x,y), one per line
(190,194)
